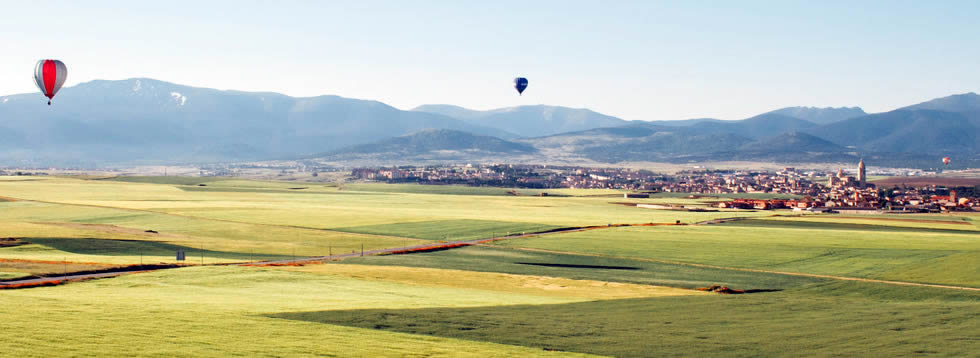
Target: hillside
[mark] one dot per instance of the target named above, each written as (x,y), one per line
(821,115)
(763,125)
(443,143)
(528,121)
(906,131)
(791,142)
(962,103)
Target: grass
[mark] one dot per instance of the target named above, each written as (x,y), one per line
(253,190)
(747,325)
(855,224)
(902,254)
(477,190)
(497,282)
(219,311)
(26,267)
(164,180)
(9,275)
(65,221)
(331,211)
(101,247)
(449,229)
(961,217)
(440,189)
(489,259)
(961,222)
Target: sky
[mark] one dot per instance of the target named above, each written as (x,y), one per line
(637,60)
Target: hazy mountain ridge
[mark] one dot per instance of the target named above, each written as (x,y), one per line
(792,142)
(439,139)
(906,131)
(431,144)
(144,120)
(961,103)
(824,115)
(529,121)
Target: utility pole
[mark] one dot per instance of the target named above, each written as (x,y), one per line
(202,254)
(362,249)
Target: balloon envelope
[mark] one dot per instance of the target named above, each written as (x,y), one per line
(945,160)
(49,75)
(520,84)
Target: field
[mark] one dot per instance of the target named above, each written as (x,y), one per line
(894,285)
(699,326)
(923,181)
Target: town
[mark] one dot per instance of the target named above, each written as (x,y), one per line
(808,190)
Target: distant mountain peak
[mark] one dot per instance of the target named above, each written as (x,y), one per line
(433,140)
(821,115)
(530,120)
(965,102)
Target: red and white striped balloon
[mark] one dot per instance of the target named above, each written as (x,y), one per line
(49,75)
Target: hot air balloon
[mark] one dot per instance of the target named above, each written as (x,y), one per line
(520,84)
(49,75)
(945,160)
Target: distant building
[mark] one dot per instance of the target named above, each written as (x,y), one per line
(861,174)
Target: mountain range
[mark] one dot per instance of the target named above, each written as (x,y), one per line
(148,121)
(528,121)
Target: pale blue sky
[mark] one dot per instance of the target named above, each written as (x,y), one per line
(639,60)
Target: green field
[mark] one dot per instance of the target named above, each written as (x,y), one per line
(164,180)
(220,311)
(900,253)
(442,189)
(10,275)
(699,326)
(614,291)
(489,259)
(450,229)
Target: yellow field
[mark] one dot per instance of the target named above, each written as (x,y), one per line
(498,282)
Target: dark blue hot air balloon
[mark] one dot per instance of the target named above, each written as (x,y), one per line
(520,84)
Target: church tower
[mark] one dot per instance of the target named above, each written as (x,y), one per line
(861,176)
